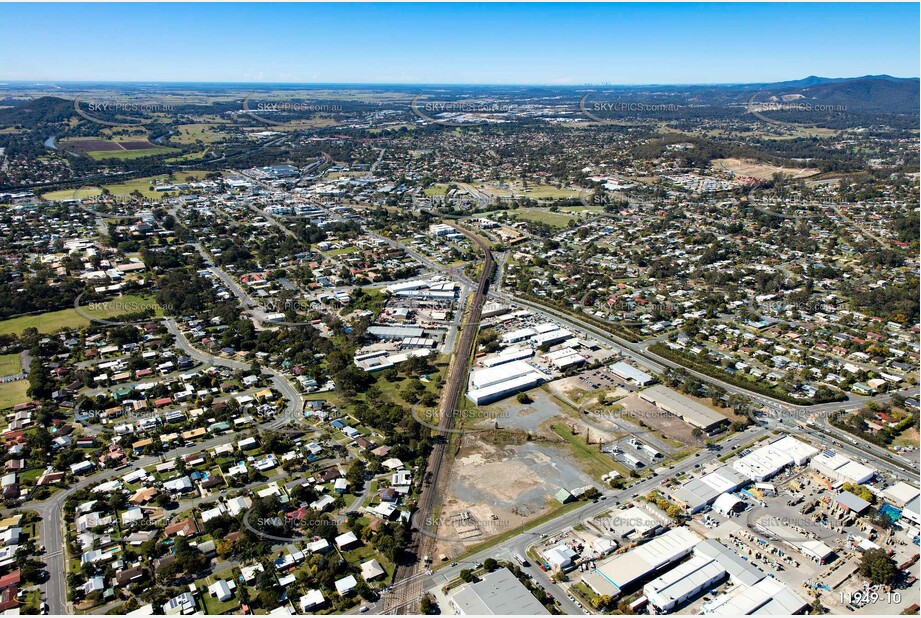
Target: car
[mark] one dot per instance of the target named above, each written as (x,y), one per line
(44,608)
(552,581)
(364,608)
(41,549)
(454,564)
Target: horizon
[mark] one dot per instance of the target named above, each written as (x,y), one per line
(37,83)
(457,44)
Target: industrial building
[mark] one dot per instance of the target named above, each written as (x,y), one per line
(765,462)
(493,383)
(841,469)
(684,582)
(696,494)
(768,596)
(634,522)
(631,374)
(507,356)
(522,334)
(900,494)
(685,408)
(497,593)
(395,332)
(419,288)
(565,358)
(625,571)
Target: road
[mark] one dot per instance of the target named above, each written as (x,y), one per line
(51,526)
(520,543)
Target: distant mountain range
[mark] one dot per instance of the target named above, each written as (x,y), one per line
(871,93)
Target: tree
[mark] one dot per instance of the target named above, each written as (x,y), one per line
(524,398)
(466,575)
(490,565)
(426,604)
(878,567)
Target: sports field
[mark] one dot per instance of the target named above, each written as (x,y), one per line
(51,321)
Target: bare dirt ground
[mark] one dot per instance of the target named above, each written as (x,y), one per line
(757,169)
(500,480)
(673,427)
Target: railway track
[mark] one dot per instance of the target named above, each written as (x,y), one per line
(454,388)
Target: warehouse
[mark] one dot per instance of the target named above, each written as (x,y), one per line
(552,337)
(683,583)
(626,570)
(768,596)
(696,494)
(498,593)
(841,469)
(634,522)
(508,355)
(395,332)
(767,461)
(631,374)
(565,358)
(488,385)
(518,335)
(685,408)
(900,494)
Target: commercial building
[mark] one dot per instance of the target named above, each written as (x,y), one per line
(498,593)
(493,383)
(625,571)
(685,408)
(900,494)
(631,374)
(768,596)
(696,494)
(507,356)
(684,582)
(441,229)
(395,332)
(841,469)
(634,522)
(565,358)
(767,461)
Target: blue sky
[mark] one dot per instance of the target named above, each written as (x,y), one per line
(457,43)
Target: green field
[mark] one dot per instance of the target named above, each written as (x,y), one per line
(436,189)
(590,459)
(556,219)
(143,184)
(9,364)
(13,393)
(66,194)
(343,251)
(126,155)
(537,192)
(201,132)
(69,318)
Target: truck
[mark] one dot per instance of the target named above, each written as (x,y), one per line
(521,560)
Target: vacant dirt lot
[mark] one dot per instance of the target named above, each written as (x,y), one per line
(757,169)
